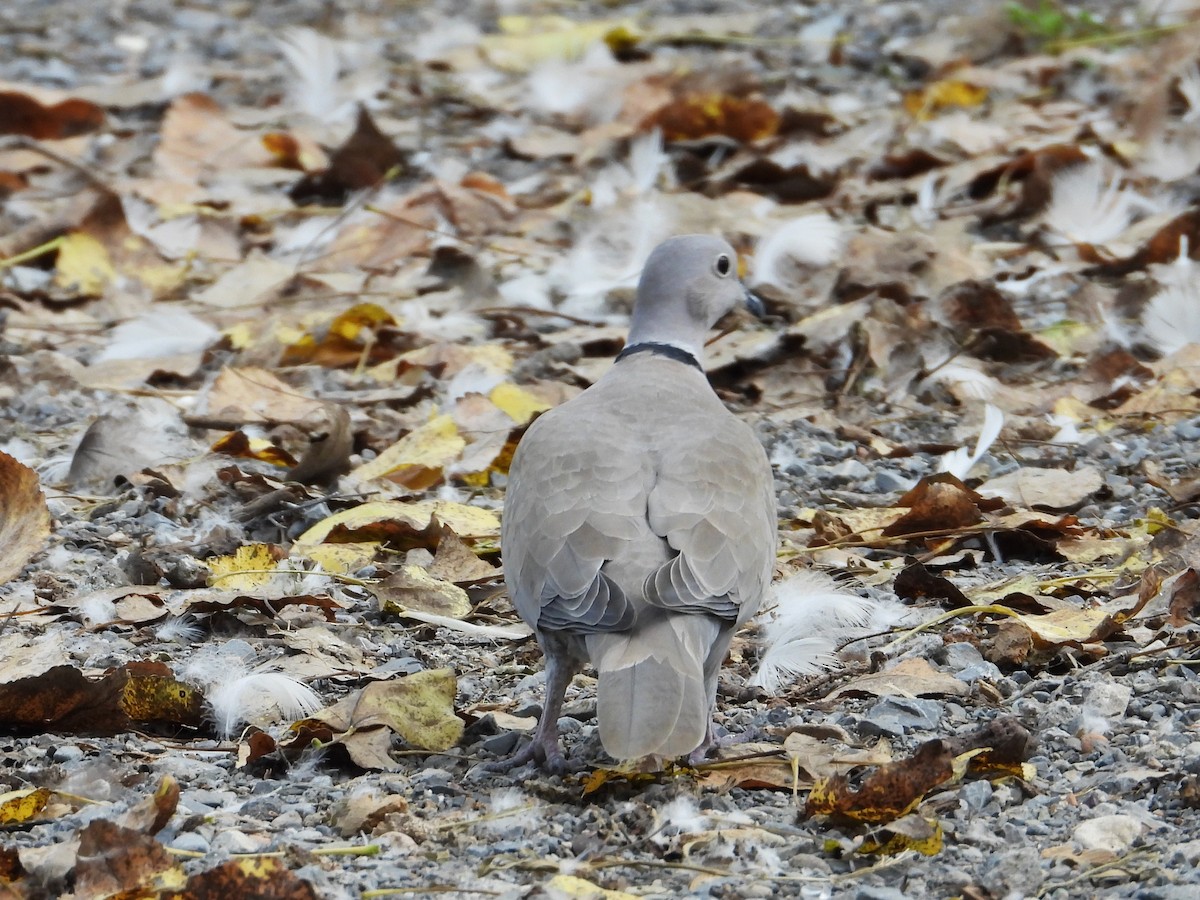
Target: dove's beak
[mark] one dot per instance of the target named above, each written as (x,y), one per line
(754,304)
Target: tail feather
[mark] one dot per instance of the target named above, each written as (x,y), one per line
(652,694)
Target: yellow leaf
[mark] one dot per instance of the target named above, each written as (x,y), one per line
(240,336)
(250,568)
(359,318)
(525,41)
(343,559)
(516,402)
(17,807)
(418,707)
(400,522)
(942,94)
(84,265)
(417,459)
(413,588)
(572,887)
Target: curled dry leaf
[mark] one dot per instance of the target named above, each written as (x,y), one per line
(24,115)
(114,860)
(401,524)
(63,701)
(24,517)
(419,708)
(414,589)
(417,459)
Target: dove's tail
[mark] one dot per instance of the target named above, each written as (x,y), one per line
(657,684)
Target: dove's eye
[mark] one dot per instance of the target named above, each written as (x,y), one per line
(723,266)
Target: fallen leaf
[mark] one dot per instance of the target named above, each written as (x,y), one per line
(366,159)
(413,588)
(24,517)
(907,678)
(1045,488)
(418,458)
(24,115)
(253,566)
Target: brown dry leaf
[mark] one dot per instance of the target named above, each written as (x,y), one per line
(151,814)
(572,887)
(1184,603)
(916,582)
(11,871)
(366,159)
(403,525)
(908,678)
(1054,489)
(114,860)
(414,589)
(132,605)
(401,232)
(261,877)
(1163,247)
(62,701)
(266,601)
(939,503)
(456,562)
(699,114)
(362,813)
(891,791)
(24,115)
(197,143)
(1182,490)
(23,806)
(251,396)
(418,459)
(238,445)
(24,517)
(331,442)
(1033,170)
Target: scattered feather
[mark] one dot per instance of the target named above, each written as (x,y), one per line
(679,816)
(1171,320)
(1087,206)
(966,380)
(812,241)
(809,617)
(95,611)
(316,66)
(1170,159)
(1189,87)
(179,630)
(241,689)
(158,333)
(959,462)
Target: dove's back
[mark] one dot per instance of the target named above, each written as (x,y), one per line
(639,530)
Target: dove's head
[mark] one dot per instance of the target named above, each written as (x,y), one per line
(689,282)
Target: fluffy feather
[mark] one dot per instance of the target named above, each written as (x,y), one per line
(1088,206)
(811,241)
(811,617)
(240,688)
(959,462)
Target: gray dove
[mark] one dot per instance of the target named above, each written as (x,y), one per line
(639,525)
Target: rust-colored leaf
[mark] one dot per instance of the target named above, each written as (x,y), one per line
(24,115)
(366,158)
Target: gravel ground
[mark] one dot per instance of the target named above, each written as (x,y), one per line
(1110,810)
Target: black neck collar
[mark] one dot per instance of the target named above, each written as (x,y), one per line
(668,350)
